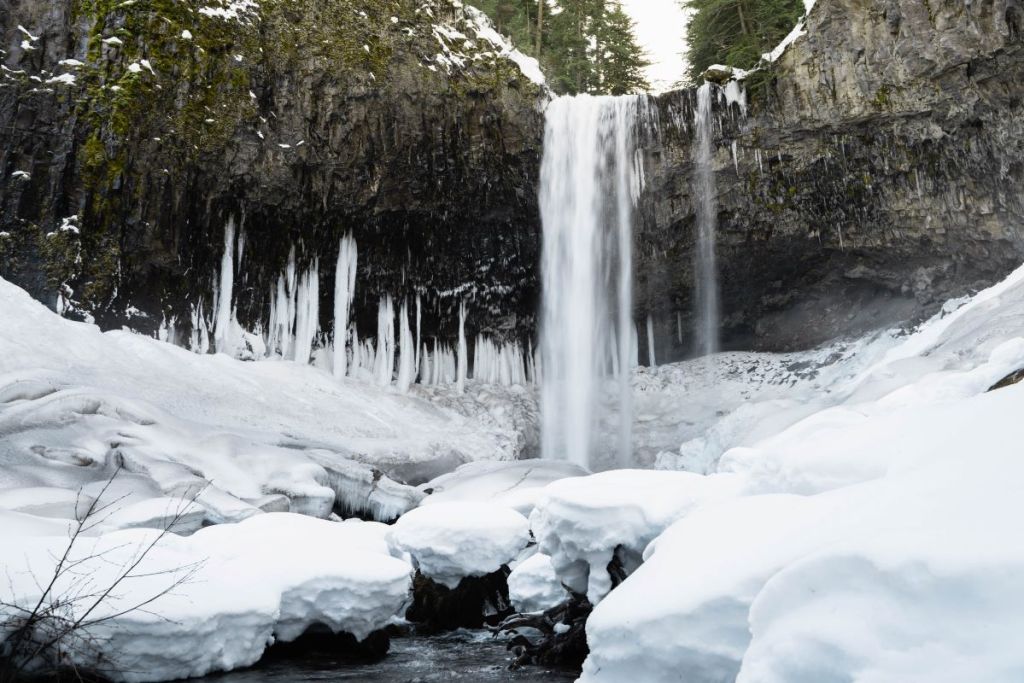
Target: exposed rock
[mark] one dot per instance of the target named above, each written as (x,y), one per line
(475,602)
(880,172)
(562,639)
(1013,378)
(345,646)
(390,119)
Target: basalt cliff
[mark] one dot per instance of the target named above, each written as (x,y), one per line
(876,168)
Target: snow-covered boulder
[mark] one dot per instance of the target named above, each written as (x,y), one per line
(581,522)
(243,586)
(516,484)
(77,404)
(871,541)
(452,541)
(533,585)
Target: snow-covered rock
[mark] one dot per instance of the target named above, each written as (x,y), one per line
(869,541)
(582,522)
(298,571)
(76,404)
(533,585)
(454,540)
(516,484)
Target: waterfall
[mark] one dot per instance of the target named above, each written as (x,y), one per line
(590,181)
(707,218)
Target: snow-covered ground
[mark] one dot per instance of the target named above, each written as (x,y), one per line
(850,513)
(75,403)
(873,528)
(235,589)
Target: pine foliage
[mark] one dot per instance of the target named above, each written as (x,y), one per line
(736,32)
(584,46)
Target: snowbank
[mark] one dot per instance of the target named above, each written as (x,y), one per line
(450,541)
(582,522)
(75,404)
(533,585)
(873,540)
(517,485)
(297,571)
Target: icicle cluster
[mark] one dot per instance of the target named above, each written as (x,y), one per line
(344,291)
(294,312)
(293,331)
(502,364)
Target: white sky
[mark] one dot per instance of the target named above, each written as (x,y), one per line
(660,25)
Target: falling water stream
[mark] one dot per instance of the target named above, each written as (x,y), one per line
(590,182)
(706,269)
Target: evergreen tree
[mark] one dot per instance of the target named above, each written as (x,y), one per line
(620,59)
(736,32)
(587,46)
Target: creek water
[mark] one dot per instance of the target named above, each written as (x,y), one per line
(466,656)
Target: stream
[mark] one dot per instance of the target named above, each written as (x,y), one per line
(470,656)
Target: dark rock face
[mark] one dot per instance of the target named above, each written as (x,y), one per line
(475,602)
(880,171)
(304,121)
(319,639)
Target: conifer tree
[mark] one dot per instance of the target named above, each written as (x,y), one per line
(586,46)
(736,32)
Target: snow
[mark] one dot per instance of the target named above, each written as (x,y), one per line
(230,10)
(76,403)
(871,540)
(298,572)
(63,79)
(458,48)
(517,485)
(583,522)
(451,541)
(27,33)
(797,32)
(533,585)
(21,175)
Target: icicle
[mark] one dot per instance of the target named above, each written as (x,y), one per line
(419,318)
(307,313)
(199,341)
(424,366)
(650,342)
(344,291)
(222,338)
(384,364)
(407,353)
(463,351)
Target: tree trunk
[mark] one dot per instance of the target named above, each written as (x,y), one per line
(540,26)
(743,18)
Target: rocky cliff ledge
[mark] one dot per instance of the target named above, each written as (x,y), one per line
(133,131)
(879,171)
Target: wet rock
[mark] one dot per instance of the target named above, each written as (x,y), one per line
(475,602)
(879,172)
(321,640)
(1013,378)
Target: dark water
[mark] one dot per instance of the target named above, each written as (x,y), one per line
(467,656)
